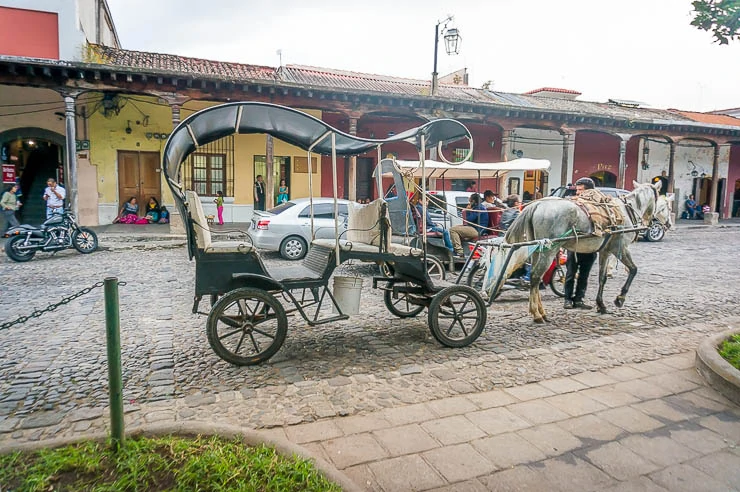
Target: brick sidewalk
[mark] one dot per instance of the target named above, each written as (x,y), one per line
(653,426)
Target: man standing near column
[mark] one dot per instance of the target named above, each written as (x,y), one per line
(259,193)
(54,196)
(578,264)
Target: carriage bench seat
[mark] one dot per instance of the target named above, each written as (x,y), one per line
(202,232)
(366,225)
(314,267)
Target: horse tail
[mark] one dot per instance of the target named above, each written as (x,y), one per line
(522,229)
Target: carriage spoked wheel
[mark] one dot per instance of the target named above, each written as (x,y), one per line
(457,316)
(401,304)
(247,326)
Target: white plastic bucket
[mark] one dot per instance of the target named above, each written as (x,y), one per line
(347,292)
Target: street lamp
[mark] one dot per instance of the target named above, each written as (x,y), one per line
(452,45)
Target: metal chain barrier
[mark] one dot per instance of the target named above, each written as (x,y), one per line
(66,300)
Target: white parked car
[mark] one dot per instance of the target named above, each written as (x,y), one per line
(287,227)
(446,206)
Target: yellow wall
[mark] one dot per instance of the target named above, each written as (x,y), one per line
(108,136)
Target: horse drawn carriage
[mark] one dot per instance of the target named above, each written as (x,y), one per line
(251,303)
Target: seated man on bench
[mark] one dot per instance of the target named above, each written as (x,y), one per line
(419,210)
(475,223)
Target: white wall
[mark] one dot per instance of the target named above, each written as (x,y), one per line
(542,144)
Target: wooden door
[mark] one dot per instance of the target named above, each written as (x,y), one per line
(139,176)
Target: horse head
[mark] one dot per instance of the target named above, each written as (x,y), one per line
(643,200)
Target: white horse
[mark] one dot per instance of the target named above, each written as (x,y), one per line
(556,218)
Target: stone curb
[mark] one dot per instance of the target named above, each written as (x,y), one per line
(719,373)
(249,437)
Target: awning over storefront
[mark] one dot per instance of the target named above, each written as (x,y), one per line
(471,170)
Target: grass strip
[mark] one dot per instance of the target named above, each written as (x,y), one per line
(202,463)
(730,350)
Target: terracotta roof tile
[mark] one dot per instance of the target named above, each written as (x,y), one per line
(712,119)
(349,81)
(181,64)
(553,89)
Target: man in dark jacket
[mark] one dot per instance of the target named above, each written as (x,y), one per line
(578,264)
(511,213)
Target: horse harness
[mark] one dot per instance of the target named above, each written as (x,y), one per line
(604,214)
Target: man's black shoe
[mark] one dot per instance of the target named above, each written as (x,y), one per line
(568,304)
(581,305)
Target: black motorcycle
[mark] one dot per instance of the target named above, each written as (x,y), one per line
(60,231)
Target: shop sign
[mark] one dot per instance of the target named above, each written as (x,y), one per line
(82,144)
(8,173)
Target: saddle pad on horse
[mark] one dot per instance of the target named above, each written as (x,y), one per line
(604,211)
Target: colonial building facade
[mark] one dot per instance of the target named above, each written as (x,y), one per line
(99,120)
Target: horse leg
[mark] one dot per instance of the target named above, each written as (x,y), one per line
(632,268)
(535,304)
(603,265)
(540,263)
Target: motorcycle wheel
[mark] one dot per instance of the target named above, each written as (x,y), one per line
(557,281)
(85,240)
(11,249)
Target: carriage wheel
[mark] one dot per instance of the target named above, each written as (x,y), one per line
(401,305)
(386,269)
(457,316)
(435,269)
(247,326)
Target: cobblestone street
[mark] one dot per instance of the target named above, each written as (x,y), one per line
(53,377)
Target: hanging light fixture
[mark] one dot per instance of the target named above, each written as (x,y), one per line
(452,41)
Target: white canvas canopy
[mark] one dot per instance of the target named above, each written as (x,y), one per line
(470,170)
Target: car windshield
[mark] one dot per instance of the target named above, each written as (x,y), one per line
(281,208)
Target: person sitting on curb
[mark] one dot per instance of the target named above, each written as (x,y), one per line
(692,208)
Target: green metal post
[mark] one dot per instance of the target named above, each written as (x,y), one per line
(115,382)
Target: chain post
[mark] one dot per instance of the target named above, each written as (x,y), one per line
(115,382)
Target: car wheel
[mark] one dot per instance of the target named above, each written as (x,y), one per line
(293,248)
(655,233)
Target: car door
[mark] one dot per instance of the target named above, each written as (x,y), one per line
(323,220)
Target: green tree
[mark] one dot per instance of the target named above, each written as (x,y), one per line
(722,17)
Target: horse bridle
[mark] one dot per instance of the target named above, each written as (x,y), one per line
(633,213)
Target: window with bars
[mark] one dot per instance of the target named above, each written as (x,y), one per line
(211,168)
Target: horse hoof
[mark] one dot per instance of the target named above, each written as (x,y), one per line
(619,301)
(602,311)
(545,319)
(539,321)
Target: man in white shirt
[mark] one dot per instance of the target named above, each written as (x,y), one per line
(54,195)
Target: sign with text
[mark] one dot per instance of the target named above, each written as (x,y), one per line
(8,173)
(82,144)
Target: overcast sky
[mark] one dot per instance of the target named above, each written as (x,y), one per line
(642,50)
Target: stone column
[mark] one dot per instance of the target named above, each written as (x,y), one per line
(565,176)
(270,172)
(715,180)
(505,143)
(622,161)
(352,171)
(70,163)
(175,102)
(671,161)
